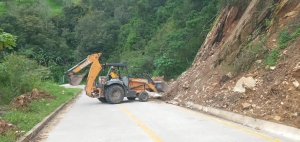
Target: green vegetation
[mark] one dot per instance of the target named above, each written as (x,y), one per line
(55,5)
(283,37)
(272,57)
(7,40)
(248,55)
(19,75)
(296,34)
(160,37)
(27,118)
(152,36)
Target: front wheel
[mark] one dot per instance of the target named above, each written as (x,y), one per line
(143,97)
(114,94)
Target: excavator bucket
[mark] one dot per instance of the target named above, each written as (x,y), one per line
(75,79)
(161,86)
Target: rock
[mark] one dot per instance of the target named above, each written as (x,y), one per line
(229,74)
(285,83)
(296,83)
(185,86)
(291,14)
(215,84)
(296,114)
(248,82)
(246,106)
(258,61)
(297,67)
(253,105)
(173,102)
(267,67)
(278,118)
(273,68)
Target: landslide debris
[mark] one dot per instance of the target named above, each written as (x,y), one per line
(24,100)
(231,71)
(5,126)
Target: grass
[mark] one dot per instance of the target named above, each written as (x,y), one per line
(272,57)
(283,37)
(26,119)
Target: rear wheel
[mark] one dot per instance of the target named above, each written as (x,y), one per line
(103,100)
(114,94)
(143,97)
(131,98)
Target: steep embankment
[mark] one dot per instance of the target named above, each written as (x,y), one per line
(249,63)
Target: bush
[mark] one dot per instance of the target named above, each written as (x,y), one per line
(296,34)
(283,37)
(19,75)
(272,57)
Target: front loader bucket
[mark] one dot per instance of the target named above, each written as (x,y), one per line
(161,86)
(75,79)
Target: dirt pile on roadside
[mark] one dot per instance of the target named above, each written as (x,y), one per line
(5,126)
(230,71)
(24,100)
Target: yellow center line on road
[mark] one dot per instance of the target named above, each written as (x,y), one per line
(228,124)
(143,126)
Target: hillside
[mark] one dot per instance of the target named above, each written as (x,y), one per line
(55,5)
(249,64)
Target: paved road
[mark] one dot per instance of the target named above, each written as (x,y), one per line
(88,120)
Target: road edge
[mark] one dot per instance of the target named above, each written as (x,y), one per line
(36,129)
(279,129)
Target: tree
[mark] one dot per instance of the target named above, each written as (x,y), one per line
(72,14)
(96,33)
(7,40)
(6,2)
(9,23)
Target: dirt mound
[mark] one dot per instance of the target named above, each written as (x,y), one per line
(24,100)
(5,126)
(215,81)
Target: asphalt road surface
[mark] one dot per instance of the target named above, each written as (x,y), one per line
(88,120)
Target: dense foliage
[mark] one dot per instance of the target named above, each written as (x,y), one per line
(19,75)
(160,37)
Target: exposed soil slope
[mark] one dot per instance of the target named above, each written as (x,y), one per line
(230,71)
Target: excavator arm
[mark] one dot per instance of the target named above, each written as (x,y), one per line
(95,68)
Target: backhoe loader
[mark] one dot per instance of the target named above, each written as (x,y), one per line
(111,90)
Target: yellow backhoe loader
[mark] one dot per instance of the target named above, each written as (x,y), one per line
(114,90)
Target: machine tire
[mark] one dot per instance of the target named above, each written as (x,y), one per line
(114,94)
(103,100)
(131,98)
(144,96)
